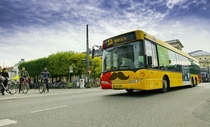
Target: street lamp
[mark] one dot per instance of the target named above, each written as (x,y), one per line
(93,49)
(87,58)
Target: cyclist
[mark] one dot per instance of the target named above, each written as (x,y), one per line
(5,74)
(45,74)
(22,74)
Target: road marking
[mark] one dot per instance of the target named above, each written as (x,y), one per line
(6,122)
(49,109)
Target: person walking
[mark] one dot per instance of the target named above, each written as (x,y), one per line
(22,74)
(5,74)
(45,74)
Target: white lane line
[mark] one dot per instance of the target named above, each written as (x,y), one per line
(5,122)
(49,109)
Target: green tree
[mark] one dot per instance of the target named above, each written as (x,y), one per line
(58,64)
(34,67)
(96,67)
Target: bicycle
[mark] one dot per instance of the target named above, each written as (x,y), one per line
(10,88)
(13,86)
(24,85)
(64,85)
(42,86)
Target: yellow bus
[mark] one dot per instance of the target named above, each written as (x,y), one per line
(139,61)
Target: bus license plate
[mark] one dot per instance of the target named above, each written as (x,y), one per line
(117,86)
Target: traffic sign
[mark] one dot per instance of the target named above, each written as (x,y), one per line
(70,69)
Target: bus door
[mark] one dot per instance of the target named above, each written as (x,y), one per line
(185,74)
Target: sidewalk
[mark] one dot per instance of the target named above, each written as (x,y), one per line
(35,93)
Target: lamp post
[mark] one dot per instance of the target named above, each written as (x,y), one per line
(87,58)
(70,71)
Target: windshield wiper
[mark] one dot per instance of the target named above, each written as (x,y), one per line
(126,67)
(112,69)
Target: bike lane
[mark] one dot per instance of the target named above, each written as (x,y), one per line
(52,92)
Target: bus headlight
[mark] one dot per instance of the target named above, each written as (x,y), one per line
(104,82)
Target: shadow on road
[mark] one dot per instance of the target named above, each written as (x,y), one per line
(139,93)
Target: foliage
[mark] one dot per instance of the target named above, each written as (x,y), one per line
(34,67)
(70,85)
(96,67)
(58,64)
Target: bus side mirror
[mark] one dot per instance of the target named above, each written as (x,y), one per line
(93,52)
(149,59)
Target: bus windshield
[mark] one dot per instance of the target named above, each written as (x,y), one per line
(124,57)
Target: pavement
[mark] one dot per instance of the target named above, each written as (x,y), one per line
(35,93)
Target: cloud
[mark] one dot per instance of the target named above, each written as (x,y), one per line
(32,29)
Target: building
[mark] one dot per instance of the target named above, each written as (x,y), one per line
(14,71)
(175,43)
(202,56)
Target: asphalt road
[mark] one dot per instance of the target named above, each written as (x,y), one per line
(180,107)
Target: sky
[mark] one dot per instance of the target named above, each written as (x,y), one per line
(32,29)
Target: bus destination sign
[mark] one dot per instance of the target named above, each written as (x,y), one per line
(119,40)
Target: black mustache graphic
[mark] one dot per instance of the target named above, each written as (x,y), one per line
(119,75)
